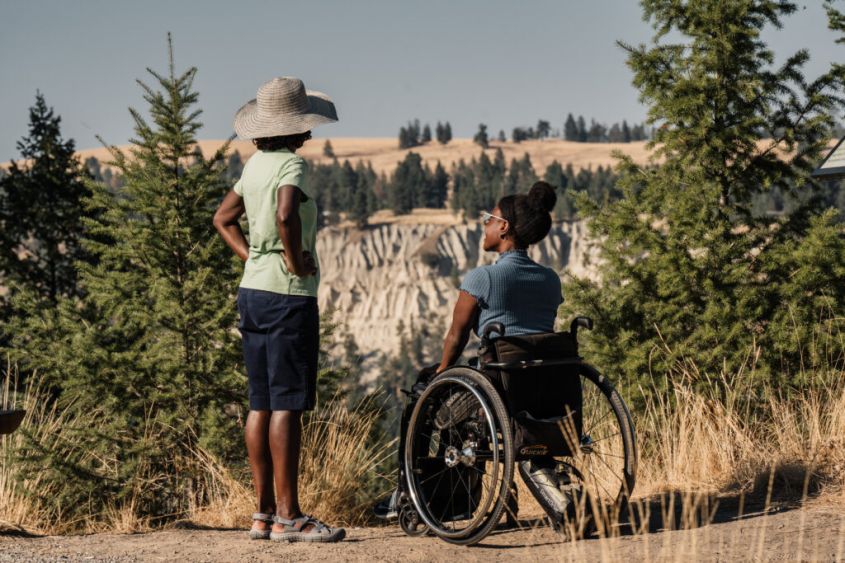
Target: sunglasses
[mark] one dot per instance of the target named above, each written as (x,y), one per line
(486,217)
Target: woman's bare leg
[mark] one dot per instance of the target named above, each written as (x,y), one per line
(257,435)
(285,437)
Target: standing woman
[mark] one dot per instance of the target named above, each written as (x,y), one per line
(277,298)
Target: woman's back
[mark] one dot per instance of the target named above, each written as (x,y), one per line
(517,292)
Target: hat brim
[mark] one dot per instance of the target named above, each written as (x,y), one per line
(252,124)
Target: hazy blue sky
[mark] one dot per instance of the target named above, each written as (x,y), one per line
(504,63)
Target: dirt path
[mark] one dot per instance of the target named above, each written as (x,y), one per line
(814,534)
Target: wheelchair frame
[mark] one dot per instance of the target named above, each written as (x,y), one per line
(477,447)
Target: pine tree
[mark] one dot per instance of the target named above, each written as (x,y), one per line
(502,138)
(234,168)
(415,132)
(480,137)
(688,271)
(543,129)
(152,344)
(408,184)
(582,129)
(92,165)
(570,129)
(638,133)
(41,205)
(596,133)
(554,175)
(447,133)
(439,132)
(328,151)
(359,208)
(426,134)
(439,186)
(615,134)
(626,132)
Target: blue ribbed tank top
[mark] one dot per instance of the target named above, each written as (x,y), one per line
(517,292)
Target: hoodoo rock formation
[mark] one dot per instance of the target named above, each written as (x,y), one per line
(408,273)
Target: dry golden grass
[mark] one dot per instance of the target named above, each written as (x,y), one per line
(714,438)
(383,153)
(20,507)
(337,461)
(702,448)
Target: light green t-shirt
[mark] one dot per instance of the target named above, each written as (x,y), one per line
(265,269)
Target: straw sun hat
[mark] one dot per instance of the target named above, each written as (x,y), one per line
(283,107)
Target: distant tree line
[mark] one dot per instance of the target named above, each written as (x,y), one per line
(354,191)
(577,130)
(412,135)
(480,183)
(574,129)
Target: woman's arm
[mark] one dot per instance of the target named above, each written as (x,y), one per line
(464,318)
(290,231)
(226,221)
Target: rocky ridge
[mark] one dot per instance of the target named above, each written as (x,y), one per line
(408,273)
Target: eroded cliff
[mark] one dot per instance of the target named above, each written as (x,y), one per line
(377,278)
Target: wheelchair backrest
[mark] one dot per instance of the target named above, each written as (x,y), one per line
(539,397)
(543,391)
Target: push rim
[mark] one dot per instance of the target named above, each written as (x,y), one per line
(454,445)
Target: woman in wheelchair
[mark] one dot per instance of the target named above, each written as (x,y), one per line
(519,294)
(530,401)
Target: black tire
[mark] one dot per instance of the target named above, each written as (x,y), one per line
(470,403)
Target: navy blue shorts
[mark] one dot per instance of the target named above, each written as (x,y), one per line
(281,339)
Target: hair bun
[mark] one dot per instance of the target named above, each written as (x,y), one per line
(542,197)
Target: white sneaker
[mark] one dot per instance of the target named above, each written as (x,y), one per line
(544,484)
(388,509)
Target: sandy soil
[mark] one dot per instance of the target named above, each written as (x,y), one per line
(815,533)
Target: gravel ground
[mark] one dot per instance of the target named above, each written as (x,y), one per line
(809,534)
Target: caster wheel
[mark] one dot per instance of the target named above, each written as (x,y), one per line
(410,523)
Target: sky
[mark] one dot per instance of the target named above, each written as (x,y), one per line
(505,63)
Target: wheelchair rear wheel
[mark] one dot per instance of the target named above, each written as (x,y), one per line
(602,467)
(459,456)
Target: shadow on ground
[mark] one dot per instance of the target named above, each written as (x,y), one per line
(783,488)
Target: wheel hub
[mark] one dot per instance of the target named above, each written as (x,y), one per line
(454,456)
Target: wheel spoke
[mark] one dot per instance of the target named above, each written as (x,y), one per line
(595,481)
(448,504)
(595,449)
(612,471)
(594,427)
(427,479)
(606,437)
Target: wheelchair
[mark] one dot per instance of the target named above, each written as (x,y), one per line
(528,398)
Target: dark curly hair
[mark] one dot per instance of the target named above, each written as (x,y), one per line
(290,142)
(529,214)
